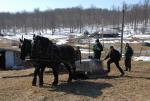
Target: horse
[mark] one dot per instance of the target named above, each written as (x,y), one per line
(44,53)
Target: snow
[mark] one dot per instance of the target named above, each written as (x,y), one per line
(55,36)
(142,36)
(61,41)
(17,37)
(62,36)
(86,51)
(148,41)
(142,58)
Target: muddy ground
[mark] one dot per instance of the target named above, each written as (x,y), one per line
(135,86)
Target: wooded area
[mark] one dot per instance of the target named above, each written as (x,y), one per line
(75,18)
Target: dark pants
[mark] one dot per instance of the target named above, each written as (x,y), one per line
(128,64)
(117,65)
(97,55)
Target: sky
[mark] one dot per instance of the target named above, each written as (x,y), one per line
(30,5)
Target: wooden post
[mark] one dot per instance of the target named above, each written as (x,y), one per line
(141,51)
(103,31)
(123,14)
(89,46)
(22,37)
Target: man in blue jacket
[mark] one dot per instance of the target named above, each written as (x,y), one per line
(128,57)
(114,57)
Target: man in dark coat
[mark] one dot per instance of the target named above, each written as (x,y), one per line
(115,57)
(128,56)
(78,54)
(97,48)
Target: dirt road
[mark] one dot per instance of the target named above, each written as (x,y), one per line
(135,86)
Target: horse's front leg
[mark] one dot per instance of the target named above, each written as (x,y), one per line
(36,72)
(73,67)
(55,73)
(42,68)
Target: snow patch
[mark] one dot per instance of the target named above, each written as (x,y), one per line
(142,58)
(86,51)
(62,41)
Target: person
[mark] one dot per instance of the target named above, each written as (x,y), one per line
(115,57)
(97,48)
(86,33)
(128,56)
(78,54)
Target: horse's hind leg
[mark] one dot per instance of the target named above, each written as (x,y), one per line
(55,73)
(36,72)
(42,68)
(70,72)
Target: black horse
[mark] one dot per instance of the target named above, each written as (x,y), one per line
(44,53)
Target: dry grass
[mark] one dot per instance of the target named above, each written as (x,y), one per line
(16,86)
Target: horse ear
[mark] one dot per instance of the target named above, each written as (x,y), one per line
(21,40)
(34,35)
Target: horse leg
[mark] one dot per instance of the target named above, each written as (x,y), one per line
(36,72)
(55,73)
(41,76)
(74,67)
(70,72)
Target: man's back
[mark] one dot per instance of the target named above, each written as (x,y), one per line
(115,55)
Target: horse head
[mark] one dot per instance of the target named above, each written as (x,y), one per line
(25,47)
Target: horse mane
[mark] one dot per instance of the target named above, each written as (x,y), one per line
(40,46)
(27,40)
(43,40)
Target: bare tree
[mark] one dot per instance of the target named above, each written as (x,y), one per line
(75,18)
